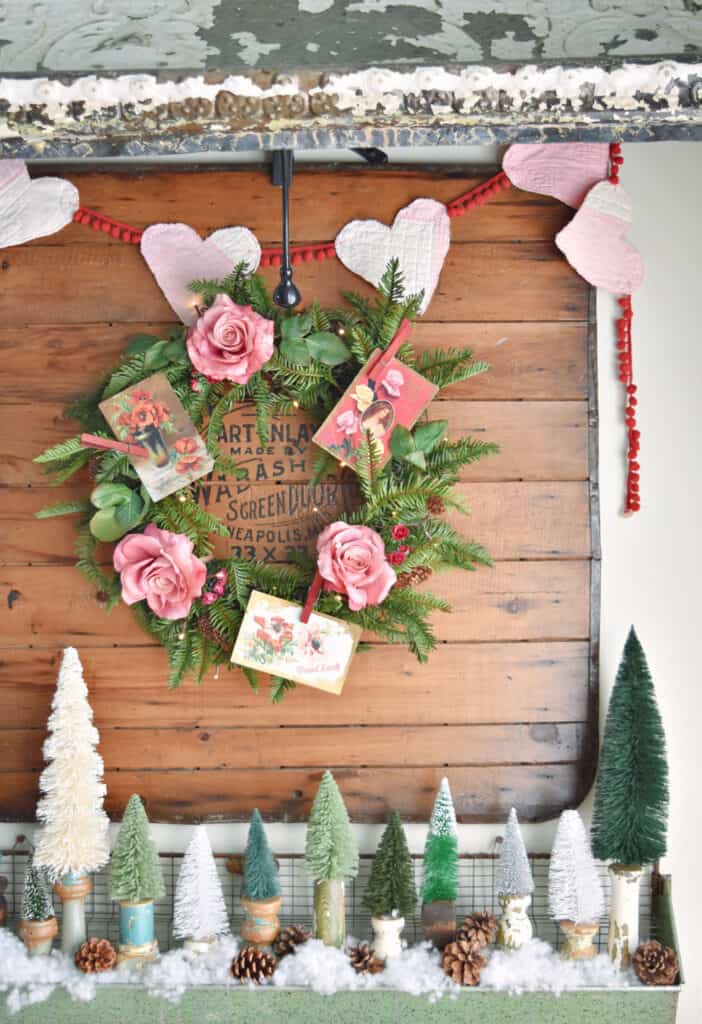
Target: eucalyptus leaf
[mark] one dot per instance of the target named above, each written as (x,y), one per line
(416,458)
(119,510)
(428,435)
(401,442)
(328,348)
(140,343)
(295,350)
(294,327)
(156,357)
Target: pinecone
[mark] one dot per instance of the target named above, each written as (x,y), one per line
(206,629)
(435,505)
(95,955)
(463,962)
(253,964)
(655,964)
(364,961)
(478,929)
(289,938)
(414,578)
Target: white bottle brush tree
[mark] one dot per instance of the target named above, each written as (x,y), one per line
(75,826)
(514,884)
(199,911)
(574,887)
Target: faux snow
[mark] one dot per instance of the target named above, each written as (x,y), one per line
(535,967)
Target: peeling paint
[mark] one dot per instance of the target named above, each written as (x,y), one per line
(251,49)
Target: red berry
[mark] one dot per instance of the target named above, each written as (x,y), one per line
(635,466)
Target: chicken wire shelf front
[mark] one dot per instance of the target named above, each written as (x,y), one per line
(476,892)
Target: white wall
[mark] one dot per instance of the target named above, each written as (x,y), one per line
(652,563)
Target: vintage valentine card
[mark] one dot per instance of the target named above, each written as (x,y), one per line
(316,653)
(150,414)
(384,395)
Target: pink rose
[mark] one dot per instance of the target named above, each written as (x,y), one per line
(392,382)
(347,422)
(230,342)
(159,566)
(351,560)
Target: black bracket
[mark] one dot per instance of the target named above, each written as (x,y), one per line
(286,295)
(372,155)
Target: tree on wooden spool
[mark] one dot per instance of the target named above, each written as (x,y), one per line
(440,887)
(260,895)
(331,856)
(391,895)
(514,884)
(136,881)
(73,840)
(199,911)
(631,799)
(574,887)
(37,926)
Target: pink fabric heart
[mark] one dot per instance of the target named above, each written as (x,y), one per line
(176,255)
(564,170)
(595,245)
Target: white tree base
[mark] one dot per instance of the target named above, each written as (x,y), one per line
(387,936)
(514,927)
(624,913)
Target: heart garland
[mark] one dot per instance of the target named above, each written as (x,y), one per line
(32,208)
(176,255)
(564,170)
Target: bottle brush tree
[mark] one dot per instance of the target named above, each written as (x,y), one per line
(331,852)
(513,874)
(574,887)
(74,836)
(136,873)
(260,871)
(631,799)
(36,897)
(441,850)
(391,889)
(199,910)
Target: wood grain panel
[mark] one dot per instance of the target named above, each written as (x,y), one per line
(539,360)
(480,793)
(53,605)
(525,519)
(525,432)
(322,203)
(314,746)
(479,683)
(115,285)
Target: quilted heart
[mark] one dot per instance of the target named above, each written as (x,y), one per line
(31,209)
(176,255)
(594,242)
(564,170)
(419,239)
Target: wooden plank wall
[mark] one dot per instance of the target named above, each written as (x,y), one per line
(507,705)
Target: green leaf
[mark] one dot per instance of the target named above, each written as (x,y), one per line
(120,509)
(139,343)
(62,508)
(328,348)
(295,350)
(294,327)
(279,687)
(416,459)
(401,442)
(155,358)
(428,435)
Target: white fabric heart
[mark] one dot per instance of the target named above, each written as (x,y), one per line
(419,239)
(31,209)
(176,255)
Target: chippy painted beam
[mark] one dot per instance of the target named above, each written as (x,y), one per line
(139,115)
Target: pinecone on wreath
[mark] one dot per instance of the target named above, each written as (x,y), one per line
(435,505)
(290,938)
(206,629)
(479,929)
(253,964)
(463,962)
(412,579)
(364,961)
(95,956)
(655,964)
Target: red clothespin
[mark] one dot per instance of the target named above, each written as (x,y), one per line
(137,451)
(383,359)
(312,595)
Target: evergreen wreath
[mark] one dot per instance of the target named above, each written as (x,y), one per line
(316,356)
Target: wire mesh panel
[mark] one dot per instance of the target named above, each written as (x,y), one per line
(476,892)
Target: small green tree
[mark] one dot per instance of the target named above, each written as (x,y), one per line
(136,872)
(260,871)
(391,884)
(631,801)
(441,850)
(36,898)
(331,851)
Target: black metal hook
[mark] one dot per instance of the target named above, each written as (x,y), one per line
(286,295)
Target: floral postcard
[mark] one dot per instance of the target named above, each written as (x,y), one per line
(397,396)
(150,414)
(316,653)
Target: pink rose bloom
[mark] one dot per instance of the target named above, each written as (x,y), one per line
(392,382)
(159,566)
(351,560)
(347,422)
(230,342)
